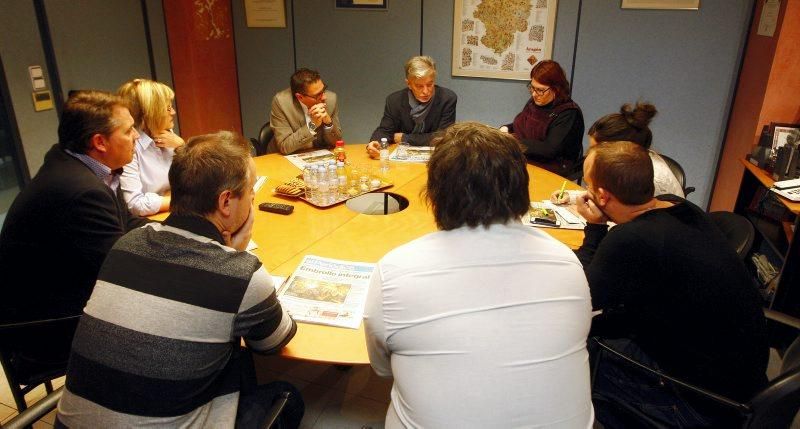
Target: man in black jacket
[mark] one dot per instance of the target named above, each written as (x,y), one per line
(60,227)
(415,113)
(673,292)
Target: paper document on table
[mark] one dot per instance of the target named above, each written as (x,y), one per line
(792,194)
(566,216)
(300,160)
(420,154)
(327,291)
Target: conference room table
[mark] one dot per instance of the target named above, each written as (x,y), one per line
(341,233)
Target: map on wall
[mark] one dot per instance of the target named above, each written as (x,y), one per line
(502,38)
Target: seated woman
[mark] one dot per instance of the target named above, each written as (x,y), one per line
(483,323)
(550,126)
(631,124)
(144,181)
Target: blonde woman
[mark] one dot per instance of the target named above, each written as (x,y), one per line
(144,181)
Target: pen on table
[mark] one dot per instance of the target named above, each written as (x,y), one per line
(561,194)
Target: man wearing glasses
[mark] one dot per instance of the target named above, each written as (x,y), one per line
(304,116)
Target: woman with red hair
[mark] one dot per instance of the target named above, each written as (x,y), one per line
(550,126)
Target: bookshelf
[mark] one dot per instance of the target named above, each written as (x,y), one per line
(776,223)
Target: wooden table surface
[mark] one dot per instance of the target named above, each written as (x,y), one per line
(338,232)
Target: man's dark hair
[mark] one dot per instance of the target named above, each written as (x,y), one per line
(625,170)
(301,78)
(206,166)
(477,175)
(85,114)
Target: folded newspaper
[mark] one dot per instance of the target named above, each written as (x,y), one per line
(327,291)
(419,154)
(300,160)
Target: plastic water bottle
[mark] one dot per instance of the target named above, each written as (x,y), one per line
(384,155)
(311,182)
(322,185)
(333,184)
(341,177)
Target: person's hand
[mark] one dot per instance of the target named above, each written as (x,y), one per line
(241,238)
(168,140)
(398,137)
(589,210)
(503,129)
(319,114)
(559,197)
(374,149)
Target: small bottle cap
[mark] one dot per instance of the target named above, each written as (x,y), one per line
(339,143)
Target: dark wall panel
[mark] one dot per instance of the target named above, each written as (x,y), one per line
(265,60)
(98,44)
(360,55)
(685,62)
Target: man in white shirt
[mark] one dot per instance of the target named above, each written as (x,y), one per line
(483,323)
(304,116)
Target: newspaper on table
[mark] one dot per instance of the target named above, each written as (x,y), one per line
(420,154)
(327,291)
(300,160)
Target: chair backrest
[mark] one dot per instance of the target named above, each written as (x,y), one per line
(35,352)
(260,144)
(677,170)
(737,229)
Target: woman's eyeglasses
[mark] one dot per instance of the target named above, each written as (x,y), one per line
(537,91)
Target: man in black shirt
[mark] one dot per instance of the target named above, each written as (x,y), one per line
(671,286)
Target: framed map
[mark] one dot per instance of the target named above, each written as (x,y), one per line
(502,39)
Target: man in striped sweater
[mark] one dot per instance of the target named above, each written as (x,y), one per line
(159,341)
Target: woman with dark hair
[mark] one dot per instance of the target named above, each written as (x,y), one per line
(631,124)
(550,126)
(461,301)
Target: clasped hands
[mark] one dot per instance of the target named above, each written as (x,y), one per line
(319,115)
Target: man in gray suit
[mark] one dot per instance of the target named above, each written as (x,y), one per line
(304,116)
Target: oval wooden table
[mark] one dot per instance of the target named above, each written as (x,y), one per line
(338,232)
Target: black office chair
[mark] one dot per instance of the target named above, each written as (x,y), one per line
(738,230)
(34,353)
(677,170)
(259,145)
(775,406)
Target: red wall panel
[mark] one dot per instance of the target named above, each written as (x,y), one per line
(203,57)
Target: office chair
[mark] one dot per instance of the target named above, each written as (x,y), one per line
(775,406)
(35,412)
(23,365)
(259,145)
(677,170)
(737,229)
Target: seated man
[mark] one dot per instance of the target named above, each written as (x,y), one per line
(159,340)
(413,114)
(304,116)
(673,293)
(483,323)
(63,223)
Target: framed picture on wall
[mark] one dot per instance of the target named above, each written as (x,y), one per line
(362,4)
(661,4)
(783,134)
(502,40)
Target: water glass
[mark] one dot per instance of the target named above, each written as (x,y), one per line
(402,150)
